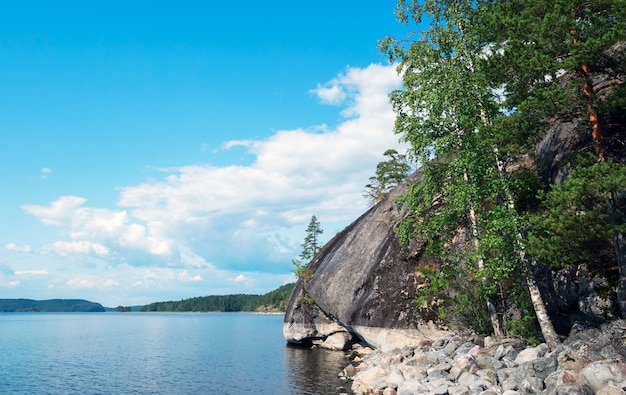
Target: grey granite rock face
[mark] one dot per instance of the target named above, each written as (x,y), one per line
(364,280)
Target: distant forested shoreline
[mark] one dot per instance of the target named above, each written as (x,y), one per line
(50,306)
(274,301)
(271,302)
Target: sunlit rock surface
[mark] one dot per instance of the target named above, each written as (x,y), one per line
(364,281)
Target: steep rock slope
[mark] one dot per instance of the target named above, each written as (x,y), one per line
(362,283)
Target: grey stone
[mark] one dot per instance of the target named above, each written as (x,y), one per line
(439,387)
(480,385)
(450,348)
(338,341)
(488,375)
(467,348)
(572,389)
(504,374)
(486,362)
(527,355)
(511,383)
(506,352)
(412,387)
(438,374)
(610,390)
(600,374)
(457,369)
(531,386)
(467,379)
(459,390)
(395,378)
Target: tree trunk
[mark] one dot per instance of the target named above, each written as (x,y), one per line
(597,132)
(493,314)
(547,329)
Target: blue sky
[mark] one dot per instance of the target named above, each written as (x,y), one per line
(159,150)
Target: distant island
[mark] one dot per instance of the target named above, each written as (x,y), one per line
(271,302)
(50,306)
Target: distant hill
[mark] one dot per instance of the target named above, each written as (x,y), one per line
(274,301)
(49,306)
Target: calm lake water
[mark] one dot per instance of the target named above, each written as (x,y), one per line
(158,353)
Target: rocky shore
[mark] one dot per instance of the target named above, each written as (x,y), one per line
(589,361)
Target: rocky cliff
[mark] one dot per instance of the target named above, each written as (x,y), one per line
(361,285)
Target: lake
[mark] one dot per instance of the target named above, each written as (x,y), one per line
(158,353)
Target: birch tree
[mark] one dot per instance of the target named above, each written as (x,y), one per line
(445,112)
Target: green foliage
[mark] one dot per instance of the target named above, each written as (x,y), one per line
(468,309)
(526,328)
(389,174)
(581,215)
(481,86)
(310,247)
(311,244)
(274,300)
(545,55)
(434,284)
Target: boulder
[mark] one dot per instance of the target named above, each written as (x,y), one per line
(364,280)
(601,374)
(338,341)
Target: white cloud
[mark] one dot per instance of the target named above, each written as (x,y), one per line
(41,272)
(16,248)
(81,247)
(330,94)
(94,231)
(184,276)
(58,212)
(9,284)
(110,283)
(81,283)
(243,218)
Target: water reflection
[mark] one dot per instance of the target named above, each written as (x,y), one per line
(314,371)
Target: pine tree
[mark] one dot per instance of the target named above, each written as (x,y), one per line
(549,54)
(310,246)
(389,174)
(568,59)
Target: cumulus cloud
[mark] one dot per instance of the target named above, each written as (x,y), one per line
(186,277)
(94,231)
(81,247)
(242,218)
(14,247)
(331,93)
